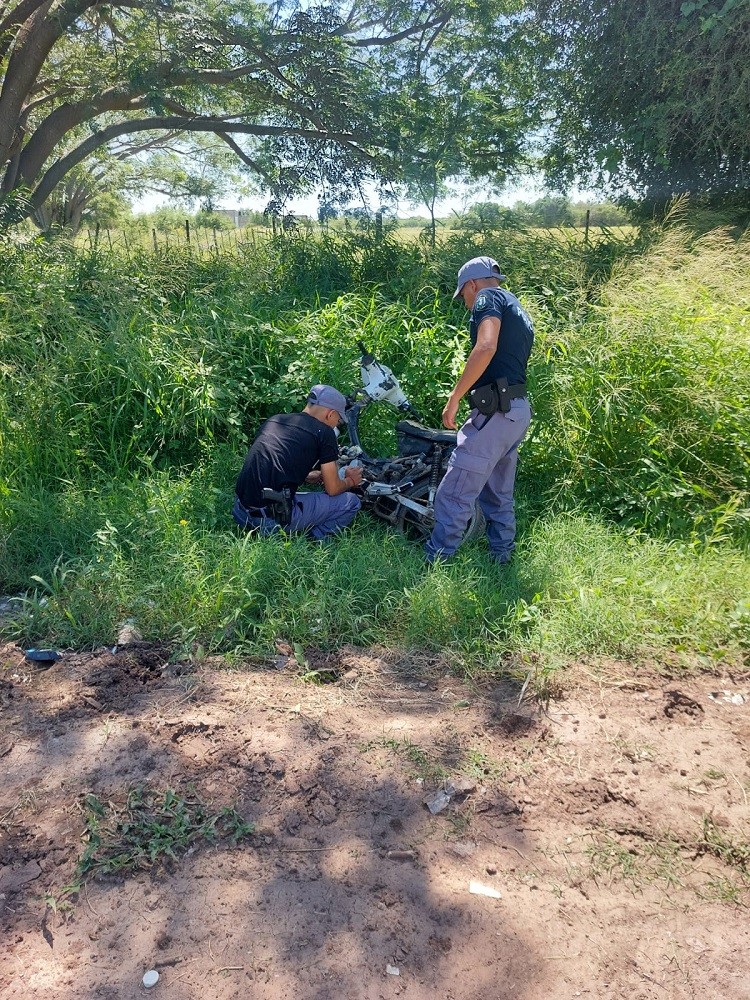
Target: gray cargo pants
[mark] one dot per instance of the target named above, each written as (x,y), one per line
(483,467)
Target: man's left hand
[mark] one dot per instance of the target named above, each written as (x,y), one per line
(314,478)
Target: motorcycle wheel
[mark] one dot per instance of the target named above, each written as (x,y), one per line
(420,527)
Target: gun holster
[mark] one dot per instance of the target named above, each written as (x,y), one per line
(494,396)
(278,505)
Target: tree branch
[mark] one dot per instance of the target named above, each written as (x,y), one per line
(17,16)
(67,117)
(197,124)
(32,45)
(242,155)
(415,29)
(159,142)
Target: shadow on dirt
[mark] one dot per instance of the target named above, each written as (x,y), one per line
(343,879)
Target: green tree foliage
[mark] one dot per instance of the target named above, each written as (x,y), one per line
(84,196)
(484,217)
(600,213)
(554,210)
(549,212)
(202,169)
(301,94)
(212,220)
(471,116)
(649,98)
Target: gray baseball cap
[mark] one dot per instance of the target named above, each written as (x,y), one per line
(478,267)
(326,395)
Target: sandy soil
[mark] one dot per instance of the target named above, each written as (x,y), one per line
(613,824)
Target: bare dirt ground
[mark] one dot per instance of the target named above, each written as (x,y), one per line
(611,825)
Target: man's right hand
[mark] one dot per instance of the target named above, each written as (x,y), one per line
(449,413)
(333,484)
(353,474)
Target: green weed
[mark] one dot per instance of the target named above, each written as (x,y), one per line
(668,861)
(734,851)
(437,765)
(422,765)
(148,828)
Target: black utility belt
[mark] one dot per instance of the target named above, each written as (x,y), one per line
(494,396)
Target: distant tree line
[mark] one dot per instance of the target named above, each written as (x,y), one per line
(548,212)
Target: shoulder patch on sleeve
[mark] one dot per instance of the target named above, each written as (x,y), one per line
(481,302)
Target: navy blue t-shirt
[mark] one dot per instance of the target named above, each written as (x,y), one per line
(287,448)
(516,335)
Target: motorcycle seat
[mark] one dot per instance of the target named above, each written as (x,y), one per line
(413,429)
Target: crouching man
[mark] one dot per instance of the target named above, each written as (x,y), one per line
(290,449)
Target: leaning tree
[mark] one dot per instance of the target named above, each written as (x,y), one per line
(299,93)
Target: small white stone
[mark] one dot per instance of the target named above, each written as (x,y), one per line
(478,889)
(392,970)
(151,978)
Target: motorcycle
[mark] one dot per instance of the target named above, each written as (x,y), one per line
(400,489)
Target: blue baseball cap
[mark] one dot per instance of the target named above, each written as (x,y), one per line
(478,267)
(326,395)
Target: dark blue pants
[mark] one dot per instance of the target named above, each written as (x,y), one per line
(483,467)
(314,514)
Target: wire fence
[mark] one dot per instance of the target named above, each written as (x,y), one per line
(189,237)
(213,239)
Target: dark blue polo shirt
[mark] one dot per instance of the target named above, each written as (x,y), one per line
(516,335)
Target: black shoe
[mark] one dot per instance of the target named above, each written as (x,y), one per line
(501,558)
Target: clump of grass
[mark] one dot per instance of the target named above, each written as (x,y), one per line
(596,588)
(665,859)
(734,851)
(649,860)
(161,550)
(422,764)
(148,829)
(433,766)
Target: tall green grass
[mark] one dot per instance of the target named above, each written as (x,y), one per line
(154,551)
(132,384)
(114,363)
(646,404)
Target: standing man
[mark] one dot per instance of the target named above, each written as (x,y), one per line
(287,449)
(483,466)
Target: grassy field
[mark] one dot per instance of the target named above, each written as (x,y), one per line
(133,380)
